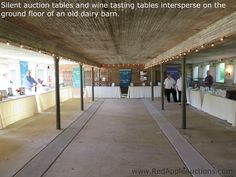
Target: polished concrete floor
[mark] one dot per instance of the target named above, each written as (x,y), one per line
(20,142)
(121,139)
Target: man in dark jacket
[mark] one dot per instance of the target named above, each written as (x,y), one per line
(209,80)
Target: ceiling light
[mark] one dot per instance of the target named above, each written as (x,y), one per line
(212,45)
(40,51)
(221,39)
(8,43)
(202,46)
(196,50)
(21,46)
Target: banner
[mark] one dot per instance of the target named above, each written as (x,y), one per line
(23,70)
(125,78)
(173,71)
(76,77)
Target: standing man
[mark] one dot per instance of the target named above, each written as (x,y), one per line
(170,88)
(209,80)
(179,87)
(29,81)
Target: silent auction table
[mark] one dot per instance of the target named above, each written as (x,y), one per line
(196,98)
(220,107)
(104,92)
(17,108)
(143,92)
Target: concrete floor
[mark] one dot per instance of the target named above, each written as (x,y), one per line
(121,137)
(20,141)
(120,140)
(215,139)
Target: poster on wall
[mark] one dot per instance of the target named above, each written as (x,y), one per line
(143,76)
(23,70)
(125,78)
(76,77)
(173,70)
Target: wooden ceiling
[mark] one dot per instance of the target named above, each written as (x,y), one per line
(224,50)
(136,36)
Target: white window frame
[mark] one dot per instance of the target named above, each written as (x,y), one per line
(195,73)
(205,69)
(218,73)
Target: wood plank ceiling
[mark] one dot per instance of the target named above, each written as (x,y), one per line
(136,36)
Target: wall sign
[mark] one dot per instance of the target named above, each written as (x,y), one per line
(76,77)
(173,71)
(125,78)
(23,70)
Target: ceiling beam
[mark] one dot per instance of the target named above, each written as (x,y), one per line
(222,28)
(15,34)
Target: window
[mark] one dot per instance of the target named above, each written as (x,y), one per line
(195,73)
(205,69)
(13,77)
(40,74)
(220,73)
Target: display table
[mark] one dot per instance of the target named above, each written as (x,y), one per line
(143,92)
(17,108)
(46,100)
(222,108)
(104,92)
(196,98)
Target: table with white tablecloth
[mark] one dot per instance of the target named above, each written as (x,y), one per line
(104,92)
(196,98)
(220,107)
(143,92)
(18,107)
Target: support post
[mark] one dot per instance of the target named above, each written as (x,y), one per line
(184,92)
(57,93)
(152,84)
(99,76)
(162,87)
(81,88)
(92,83)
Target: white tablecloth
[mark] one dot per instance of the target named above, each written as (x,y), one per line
(143,92)
(196,98)
(21,107)
(222,108)
(104,92)
(14,110)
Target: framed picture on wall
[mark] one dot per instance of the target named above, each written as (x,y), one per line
(143,76)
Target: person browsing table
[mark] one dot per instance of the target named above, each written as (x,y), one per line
(29,81)
(170,88)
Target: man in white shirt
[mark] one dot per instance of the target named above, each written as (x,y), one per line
(170,88)
(179,87)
